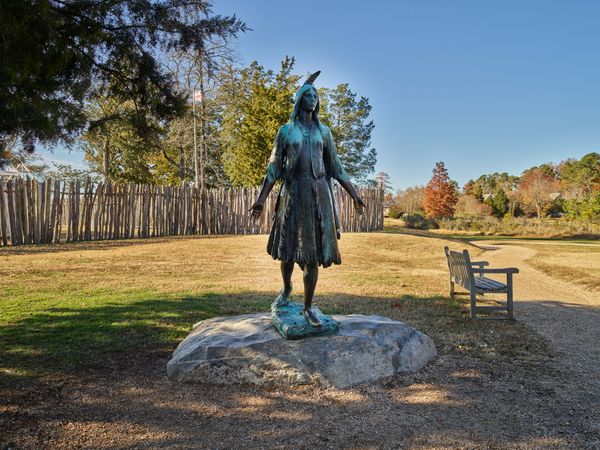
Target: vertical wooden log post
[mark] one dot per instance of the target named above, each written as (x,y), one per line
(3,219)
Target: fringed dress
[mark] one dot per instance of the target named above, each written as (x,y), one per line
(305,226)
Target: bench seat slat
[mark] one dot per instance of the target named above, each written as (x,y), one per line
(488,284)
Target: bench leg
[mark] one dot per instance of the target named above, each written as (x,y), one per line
(473,298)
(452,290)
(509,296)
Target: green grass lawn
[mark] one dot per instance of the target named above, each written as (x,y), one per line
(69,309)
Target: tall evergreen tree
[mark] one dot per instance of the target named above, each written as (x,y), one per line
(384,181)
(255,103)
(348,119)
(500,202)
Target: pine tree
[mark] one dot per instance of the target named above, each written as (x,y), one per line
(255,103)
(56,55)
(580,179)
(348,119)
(440,195)
(500,203)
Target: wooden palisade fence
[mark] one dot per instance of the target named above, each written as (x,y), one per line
(37,212)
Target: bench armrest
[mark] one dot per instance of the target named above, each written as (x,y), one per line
(506,270)
(480,263)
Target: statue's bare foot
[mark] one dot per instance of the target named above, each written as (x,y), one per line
(312,318)
(282,299)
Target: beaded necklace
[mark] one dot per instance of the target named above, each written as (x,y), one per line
(305,133)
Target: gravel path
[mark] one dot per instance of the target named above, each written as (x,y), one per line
(569,317)
(566,314)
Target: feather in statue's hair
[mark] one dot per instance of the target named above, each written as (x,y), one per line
(312,78)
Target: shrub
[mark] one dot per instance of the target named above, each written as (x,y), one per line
(523,226)
(395,211)
(419,222)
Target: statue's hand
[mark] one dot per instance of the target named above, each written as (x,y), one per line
(359,206)
(257,209)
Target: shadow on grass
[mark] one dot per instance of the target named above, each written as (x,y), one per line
(69,339)
(98,245)
(456,402)
(85,340)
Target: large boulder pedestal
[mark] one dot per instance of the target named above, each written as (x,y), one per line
(248,349)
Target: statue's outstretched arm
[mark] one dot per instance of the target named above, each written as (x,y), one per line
(338,172)
(265,189)
(274,173)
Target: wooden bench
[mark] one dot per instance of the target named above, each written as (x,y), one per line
(463,271)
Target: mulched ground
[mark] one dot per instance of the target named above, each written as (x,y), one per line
(457,402)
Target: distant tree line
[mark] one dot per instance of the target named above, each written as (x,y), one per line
(570,188)
(116,80)
(238,115)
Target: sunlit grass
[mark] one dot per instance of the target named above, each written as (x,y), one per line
(67,308)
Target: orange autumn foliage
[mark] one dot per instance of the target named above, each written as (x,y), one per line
(440,196)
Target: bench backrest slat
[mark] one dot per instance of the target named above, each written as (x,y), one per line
(459,264)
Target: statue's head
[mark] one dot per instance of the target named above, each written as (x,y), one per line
(307,99)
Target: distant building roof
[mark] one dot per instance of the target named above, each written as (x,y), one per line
(7,170)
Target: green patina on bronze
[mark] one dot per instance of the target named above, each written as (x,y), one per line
(305,227)
(290,322)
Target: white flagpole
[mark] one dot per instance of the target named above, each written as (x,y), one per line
(196,157)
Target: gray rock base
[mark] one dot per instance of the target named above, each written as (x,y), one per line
(248,349)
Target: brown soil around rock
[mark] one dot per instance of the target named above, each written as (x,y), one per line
(456,402)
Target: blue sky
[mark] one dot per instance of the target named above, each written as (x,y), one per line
(485,86)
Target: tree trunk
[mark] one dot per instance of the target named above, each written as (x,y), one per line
(181,164)
(106,158)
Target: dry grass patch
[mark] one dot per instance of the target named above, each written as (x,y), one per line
(67,307)
(573,262)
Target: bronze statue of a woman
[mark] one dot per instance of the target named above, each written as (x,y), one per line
(305,228)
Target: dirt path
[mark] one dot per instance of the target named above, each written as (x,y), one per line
(568,316)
